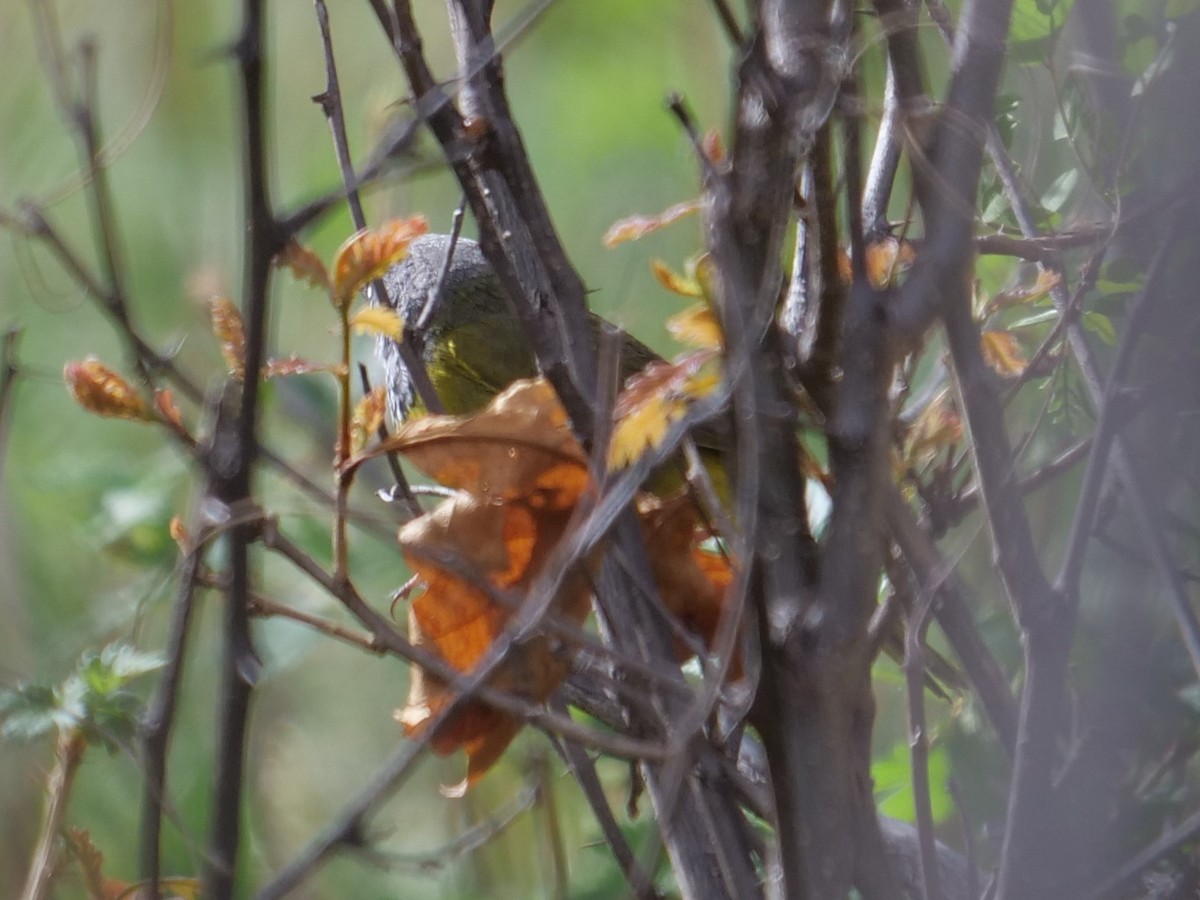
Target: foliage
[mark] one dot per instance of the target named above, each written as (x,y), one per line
(940,408)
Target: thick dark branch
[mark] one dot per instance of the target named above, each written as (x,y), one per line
(946,180)
(232,459)
(515,230)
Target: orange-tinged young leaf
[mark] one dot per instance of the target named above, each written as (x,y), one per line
(179,533)
(304,265)
(370,253)
(673,281)
(697,326)
(1003,353)
(378,320)
(164,403)
(712,147)
(634,227)
(368,416)
(938,426)
(886,258)
(294,365)
(228,330)
(643,429)
(100,390)
(654,399)
(1045,282)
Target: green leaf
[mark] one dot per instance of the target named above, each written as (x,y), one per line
(1035,20)
(27,712)
(1060,189)
(127,663)
(1100,325)
(893,784)
(1048,315)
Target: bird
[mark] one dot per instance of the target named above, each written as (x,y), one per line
(472,344)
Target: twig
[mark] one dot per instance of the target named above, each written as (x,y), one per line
(160,714)
(232,461)
(68,754)
(9,371)
(589,782)
(918,743)
(1121,878)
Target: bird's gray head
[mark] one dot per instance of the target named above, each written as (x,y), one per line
(469,286)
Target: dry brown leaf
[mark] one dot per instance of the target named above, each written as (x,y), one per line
(692,582)
(519,473)
(501,453)
(100,390)
(498,546)
(366,255)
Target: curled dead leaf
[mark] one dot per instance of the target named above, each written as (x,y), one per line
(693,582)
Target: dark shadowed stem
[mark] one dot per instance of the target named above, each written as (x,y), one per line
(946,181)
(934,573)
(546,802)
(918,742)
(160,715)
(9,371)
(584,770)
(330,101)
(1148,524)
(1125,879)
(232,459)
(829,313)
(1055,468)
(1114,409)
(1044,617)
(729,22)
